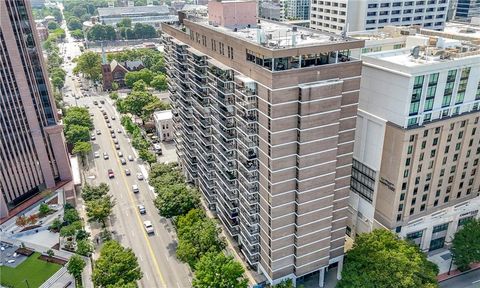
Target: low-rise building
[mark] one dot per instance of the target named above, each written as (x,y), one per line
(151,15)
(114,72)
(164,125)
(417,146)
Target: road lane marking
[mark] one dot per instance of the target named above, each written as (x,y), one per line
(474,282)
(132,201)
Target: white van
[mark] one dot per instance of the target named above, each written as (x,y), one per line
(135,188)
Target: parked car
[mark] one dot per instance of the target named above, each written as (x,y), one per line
(117,147)
(109,125)
(130,158)
(95,102)
(113,117)
(139,176)
(96,155)
(120,154)
(105,155)
(99,132)
(112,131)
(110,174)
(102,101)
(113,135)
(119,130)
(148,227)
(92,137)
(115,141)
(141,209)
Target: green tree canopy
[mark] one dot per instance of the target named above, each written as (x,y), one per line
(92,192)
(75,267)
(74,23)
(197,236)
(84,247)
(147,156)
(101,32)
(70,216)
(159,82)
(82,149)
(116,264)
(77,34)
(220,271)
(136,103)
(52,25)
(381,259)
(100,209)
(125,22)
(76,133)
(71,229)
(145,74)
(89,64)
(151,58)
(466,245)
(176,200)
(77,116)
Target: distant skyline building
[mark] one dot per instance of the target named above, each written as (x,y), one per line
(296,9)
(339,15)
(152,15)
(33,155)
(416,167)
(264,119)
(466,9)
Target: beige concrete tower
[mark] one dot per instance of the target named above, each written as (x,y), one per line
(265,120)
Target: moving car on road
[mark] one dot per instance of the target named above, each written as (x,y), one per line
(135,188)
(110,174)
(130,158)
(141,209)
(96,155)
(139,176)
(148,227)
(127,172)
(105,155)
(123,161)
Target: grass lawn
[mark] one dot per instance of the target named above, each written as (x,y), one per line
(34,270)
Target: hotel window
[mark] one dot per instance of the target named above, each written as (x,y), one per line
(440,228)
(414,235)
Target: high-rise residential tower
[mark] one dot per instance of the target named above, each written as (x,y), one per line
(417,147)
(33,154)
(265,119)
(358,15)
(466,9)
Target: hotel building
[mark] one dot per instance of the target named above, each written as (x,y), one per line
(417,147)
(337,16)
(265,118)
(33,154)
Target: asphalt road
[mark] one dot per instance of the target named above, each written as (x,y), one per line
(468,280)
(155,252)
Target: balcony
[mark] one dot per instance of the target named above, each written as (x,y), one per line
(250,220)
(227,123)
(247,117)
(229,224)
(228,134)
(249,165)
(227,112)
(248,153)
(217,74)
(249,176)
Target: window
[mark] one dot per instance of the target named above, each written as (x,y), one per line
(414,235)
(440,228)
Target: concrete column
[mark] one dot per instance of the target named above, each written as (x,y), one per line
(55,134)
(321,277)
(427,237)
(452,228)
(340,268)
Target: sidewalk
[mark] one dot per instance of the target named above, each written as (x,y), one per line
(456,272)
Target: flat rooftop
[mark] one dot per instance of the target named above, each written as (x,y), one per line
(462,29)
(133,11)
(277,35)
(162,115)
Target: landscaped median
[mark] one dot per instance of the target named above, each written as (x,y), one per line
(34,271)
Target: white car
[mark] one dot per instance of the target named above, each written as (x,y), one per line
(148,226)
(130,158)
(96,155)
(141,209)
(139,176)
(135,188)
(105,155)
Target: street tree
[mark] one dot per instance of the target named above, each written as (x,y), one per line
(89,64)
(75,267)
(76,133)
(77,34)
(82,149)
(116,264)
(77,116)
(288,283)
(71,229)
(100,209)
(74,23)
(21,221)
(125,22)
(147,156)
(197,238)
(167,179)
(52,25)
(70,216)
(92,192)
(159,82)
(176,200)
(84,247)
(381,259)
(139,85)
(466,245)
(220,271)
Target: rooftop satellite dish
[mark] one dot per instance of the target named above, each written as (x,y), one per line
(415,52)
